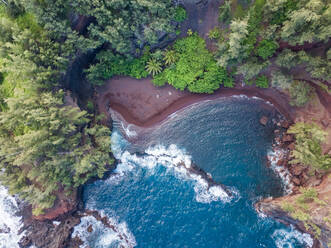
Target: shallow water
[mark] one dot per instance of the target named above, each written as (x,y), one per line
(157,204)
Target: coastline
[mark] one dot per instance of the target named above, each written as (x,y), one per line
(156,104)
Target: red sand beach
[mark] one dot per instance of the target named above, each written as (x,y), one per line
(141,103)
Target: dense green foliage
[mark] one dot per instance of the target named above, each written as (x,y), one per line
(109,65)
(262,82)
(266,48)
(195,68)
(254,36)
(180,14)
(281,80)
(301,93)
(225,12)
(121,24)
(46,144)
(308,151)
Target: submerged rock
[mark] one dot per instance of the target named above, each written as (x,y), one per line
(264,120)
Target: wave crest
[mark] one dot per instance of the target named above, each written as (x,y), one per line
(93,232)
(175,160)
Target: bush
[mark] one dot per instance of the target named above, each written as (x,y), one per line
(267,48)
(301,93)
(225,12)
(308,150)
(214,33)
(180,14)
(262,82)
(109,65)
(194,68)
(280,80)
(252,68)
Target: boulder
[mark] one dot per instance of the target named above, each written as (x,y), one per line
(90,229)
(281,162)
(291,146)
(285,124)
(264,120)
(297,170)
(296,181)
(287,138)
(4,229)
(25,242)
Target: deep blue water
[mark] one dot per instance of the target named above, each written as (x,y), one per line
(165,207)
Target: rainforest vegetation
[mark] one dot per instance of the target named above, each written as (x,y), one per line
(49,142)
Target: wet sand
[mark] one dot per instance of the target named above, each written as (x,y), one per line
(140,103)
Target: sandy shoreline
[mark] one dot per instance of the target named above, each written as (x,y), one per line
(138,102)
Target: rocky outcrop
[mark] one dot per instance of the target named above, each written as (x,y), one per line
(264,120)
(267,207)
(63,204)
(48,234)
(320,214)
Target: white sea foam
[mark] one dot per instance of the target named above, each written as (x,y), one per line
(102,236)
(10,223)
(128,132)
(285,238)
(174,159)
(274,156)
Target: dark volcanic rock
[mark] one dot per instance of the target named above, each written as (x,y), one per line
(296,181)
(297,170)
(291,146)
(45,234)
(4,229)
(267,207)
(287,138)
(264,120)
(285,124)
(90,229)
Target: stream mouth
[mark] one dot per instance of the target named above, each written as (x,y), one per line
(191,181)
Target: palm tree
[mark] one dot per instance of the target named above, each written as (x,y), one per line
(153,67)
(170,57)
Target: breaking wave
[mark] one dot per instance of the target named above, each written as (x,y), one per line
(96,234)
(274,157)
(287,238)
(175,160)
(10,222)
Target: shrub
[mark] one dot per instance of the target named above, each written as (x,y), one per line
(225,12)
(170,57)
(301,93)
(287,59)
(280,80)
(251,68)
(194,69)
(267,48)
(262,82)
(214,33)
(153,67)
(288,207)
(180,14)
(308,151)
(109,65)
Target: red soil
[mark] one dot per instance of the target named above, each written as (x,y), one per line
(142,104)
